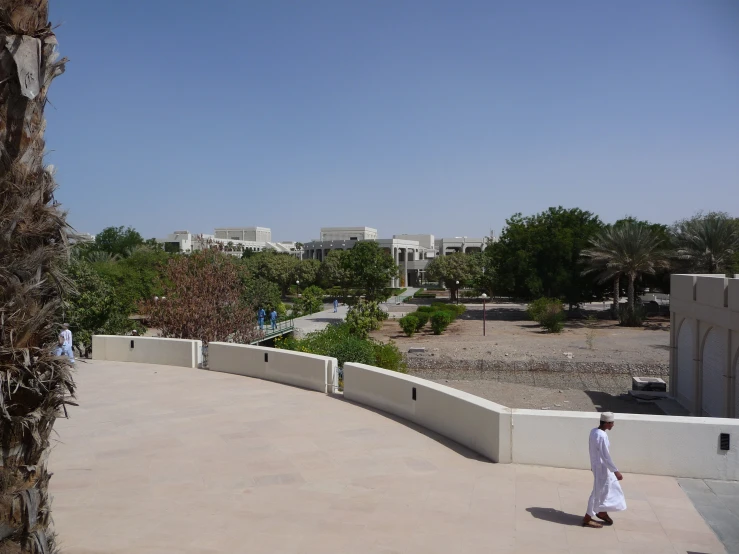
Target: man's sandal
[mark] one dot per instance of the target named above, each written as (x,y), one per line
(592,523)
(605,518)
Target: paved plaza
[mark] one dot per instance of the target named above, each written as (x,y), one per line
(167,460)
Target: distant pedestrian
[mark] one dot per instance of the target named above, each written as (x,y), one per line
(336,305)
(607,495)
(273,319)
(65,343)
(260,317)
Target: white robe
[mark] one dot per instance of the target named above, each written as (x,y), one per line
(607,495)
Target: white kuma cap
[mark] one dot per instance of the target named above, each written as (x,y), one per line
(607,417)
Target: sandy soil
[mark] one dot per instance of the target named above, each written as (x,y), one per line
(511,336)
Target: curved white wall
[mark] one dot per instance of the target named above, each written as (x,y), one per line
(282,366)
(713,364)
(147,350)
(480,425)
(660,445)
(685,365)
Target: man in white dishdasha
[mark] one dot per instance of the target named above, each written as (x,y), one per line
(607,495)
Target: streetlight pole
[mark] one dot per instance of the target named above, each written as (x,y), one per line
(298,284)
(484,299)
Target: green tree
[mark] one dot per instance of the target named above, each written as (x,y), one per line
(629,249)
(262,293)
(306,271)
(333,272)
(136,278)
(276,268)
(117,241)
(371,268)
(454,268)
(94,308)
(707,243)
(539,255)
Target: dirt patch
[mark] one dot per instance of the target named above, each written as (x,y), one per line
(587,367)
(510,336)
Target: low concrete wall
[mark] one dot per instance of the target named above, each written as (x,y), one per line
(147,350)
(283,366)
(656,445)
(478,424)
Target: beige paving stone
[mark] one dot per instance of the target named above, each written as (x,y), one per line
(162,460)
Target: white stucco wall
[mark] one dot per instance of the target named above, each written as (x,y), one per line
(147,350)
(282,366)
(656,445)
(709,305)
(714,368)
(480,425)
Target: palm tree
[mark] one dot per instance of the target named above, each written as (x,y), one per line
(34,384)
(707,242)
(630,249)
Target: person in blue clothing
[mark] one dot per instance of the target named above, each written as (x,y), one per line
(336,305)
(273,319)
(260,317)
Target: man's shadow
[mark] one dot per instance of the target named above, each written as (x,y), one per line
(556,516)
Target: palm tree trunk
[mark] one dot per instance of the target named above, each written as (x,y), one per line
(616,295)
(34,383)
(632,279)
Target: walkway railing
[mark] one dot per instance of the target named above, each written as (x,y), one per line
(281,328)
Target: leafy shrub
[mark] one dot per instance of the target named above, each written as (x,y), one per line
(453,309)
(388,356)
(425,309)
(408,324)
(631,317)
(422,319)
(337,341)
(440,321)
(364,317)
(310,302)
(354,349)
(547,312)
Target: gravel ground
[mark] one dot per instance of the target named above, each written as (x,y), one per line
(519,395)
(587,367)
(510,336)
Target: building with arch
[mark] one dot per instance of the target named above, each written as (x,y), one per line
(704,344)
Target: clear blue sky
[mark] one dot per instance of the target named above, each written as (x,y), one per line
(408,116)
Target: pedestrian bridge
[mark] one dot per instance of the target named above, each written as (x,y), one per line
(281,328)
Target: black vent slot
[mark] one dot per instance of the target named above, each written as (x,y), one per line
(724,441)
(266,357)
(414,393)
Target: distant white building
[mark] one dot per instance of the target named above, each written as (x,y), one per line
(412,252)
(248,234)
(348,233)
(231,240)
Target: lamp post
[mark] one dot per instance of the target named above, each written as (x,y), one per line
(298,284)
(457,292)
(484,299)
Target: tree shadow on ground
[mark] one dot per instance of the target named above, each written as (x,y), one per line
(450,444)
(556,516)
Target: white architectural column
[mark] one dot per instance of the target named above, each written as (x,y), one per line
(396,257)
(405,268)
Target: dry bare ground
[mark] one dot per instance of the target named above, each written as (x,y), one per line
(513,364)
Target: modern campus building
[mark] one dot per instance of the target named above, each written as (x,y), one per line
(231,240)
(412,253)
